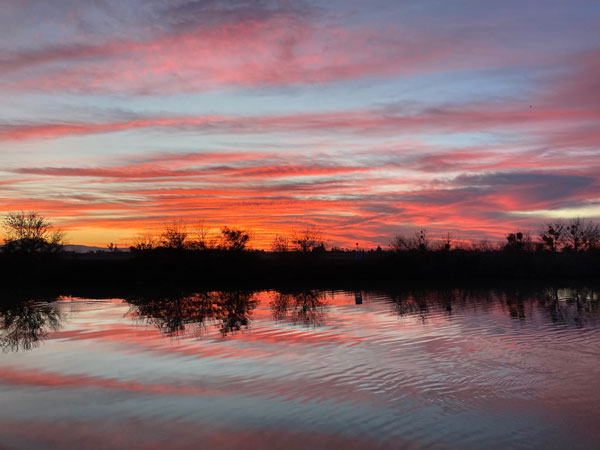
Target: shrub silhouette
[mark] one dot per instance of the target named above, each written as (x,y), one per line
(515,241)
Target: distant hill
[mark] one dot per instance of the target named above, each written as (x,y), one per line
(76,248)
(90,248)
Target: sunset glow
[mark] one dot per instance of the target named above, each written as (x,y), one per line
(362,119)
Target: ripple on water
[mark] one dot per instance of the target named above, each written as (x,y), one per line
(425,368)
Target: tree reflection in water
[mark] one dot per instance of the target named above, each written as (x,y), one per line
(227,311)
(572,306)
(305,307)
(192,315)
(25,322)
(569,306)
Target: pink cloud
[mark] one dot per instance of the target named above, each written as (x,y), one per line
(274,50)
(373,122)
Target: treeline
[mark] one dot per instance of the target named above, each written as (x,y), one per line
(574,235)
(33,233)
(183,255)
(178,235)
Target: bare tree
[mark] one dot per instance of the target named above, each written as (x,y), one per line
(308,239)
(581,235)
(201,237)
(174,235)
(419,241)
(145,242)
(234,239)
(400,242)
(280,243)
(31,233)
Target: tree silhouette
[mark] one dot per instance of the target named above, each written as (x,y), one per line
(144,242)
(280,243)
(518,241)
(202,238)
(446,243)
(234,239)
(581,235)
(174,236)
(31,233)
(420,241)
(308,240)
(552,236)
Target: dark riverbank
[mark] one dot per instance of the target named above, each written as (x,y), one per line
(221,269)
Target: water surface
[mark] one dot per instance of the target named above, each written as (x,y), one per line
(432,368)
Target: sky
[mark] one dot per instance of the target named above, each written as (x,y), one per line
(362,119)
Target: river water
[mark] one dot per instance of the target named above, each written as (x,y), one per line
(410,368)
